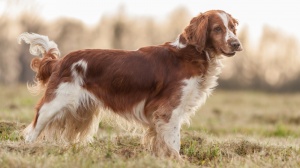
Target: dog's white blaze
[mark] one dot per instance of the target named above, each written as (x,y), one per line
(178,44)
(77,77)
(229,33)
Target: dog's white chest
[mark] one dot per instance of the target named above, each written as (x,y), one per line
(196,90)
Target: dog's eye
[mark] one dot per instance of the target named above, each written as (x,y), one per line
(232,27)
(218,29)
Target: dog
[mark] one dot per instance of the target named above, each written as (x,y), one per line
(159,87)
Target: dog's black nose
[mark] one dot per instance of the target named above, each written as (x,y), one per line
(235,44)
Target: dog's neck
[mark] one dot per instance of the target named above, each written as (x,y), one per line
(181,43)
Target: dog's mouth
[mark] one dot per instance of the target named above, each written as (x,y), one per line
(228,54)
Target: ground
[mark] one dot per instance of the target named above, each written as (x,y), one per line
(233,129)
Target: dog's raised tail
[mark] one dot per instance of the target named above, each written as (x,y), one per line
(47,52)
(39,44)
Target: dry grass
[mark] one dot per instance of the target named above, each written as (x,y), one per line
(233,129)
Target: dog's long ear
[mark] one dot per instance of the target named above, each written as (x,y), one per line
(195,33)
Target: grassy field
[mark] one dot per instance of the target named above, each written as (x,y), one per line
(233,129)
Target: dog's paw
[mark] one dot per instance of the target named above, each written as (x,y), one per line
(29,138)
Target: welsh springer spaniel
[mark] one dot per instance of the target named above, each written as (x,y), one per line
(159,87)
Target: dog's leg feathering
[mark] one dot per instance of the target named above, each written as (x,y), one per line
(45,112)
(163,137)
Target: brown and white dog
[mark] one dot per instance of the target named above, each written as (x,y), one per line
(159,87)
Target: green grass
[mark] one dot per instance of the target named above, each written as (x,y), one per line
(233,129)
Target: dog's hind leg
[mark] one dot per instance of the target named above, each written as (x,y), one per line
(66,96)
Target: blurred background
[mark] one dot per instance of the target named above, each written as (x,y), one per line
(268,31)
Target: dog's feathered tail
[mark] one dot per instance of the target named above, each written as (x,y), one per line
(43,65)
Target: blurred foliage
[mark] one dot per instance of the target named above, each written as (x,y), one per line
(272,64)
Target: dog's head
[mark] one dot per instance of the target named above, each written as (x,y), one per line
(213,31)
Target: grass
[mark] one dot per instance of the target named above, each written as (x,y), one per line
(233,129)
